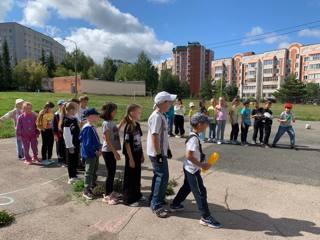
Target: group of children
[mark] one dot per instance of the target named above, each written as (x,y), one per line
(241,119)
(73,129)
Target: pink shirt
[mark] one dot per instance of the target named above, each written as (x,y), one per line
(222,112)
(26,125)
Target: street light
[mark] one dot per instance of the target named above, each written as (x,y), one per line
(75,64)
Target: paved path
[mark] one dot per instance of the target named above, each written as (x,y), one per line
(255,193)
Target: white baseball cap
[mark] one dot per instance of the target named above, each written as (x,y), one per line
(191,104)
(163,97)
(19,100)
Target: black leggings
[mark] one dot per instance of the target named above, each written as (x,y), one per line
(47,144)
(111,164)
(72,161)
(179,125)
(244,132)
(234,132)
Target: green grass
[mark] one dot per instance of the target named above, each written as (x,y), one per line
(302,112)
(6,218)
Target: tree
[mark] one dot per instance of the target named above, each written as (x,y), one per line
(125,72)
(7,82)
(61,71)
(29,74)
(51,66)
(206,90)
(231,91)
(292,90)
(43,59)
(219,88)
(1,75)
(95,72)
(184,91)
(169,82)
(313,91)
(146,72)
(109,70)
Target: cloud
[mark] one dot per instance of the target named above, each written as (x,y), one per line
(257,35)
(309,33)
(113,33)
(5,6)
(99,44)
(283,44)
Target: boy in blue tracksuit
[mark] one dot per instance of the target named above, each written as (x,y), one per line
(90,151)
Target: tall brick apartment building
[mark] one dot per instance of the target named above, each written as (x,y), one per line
(192,63)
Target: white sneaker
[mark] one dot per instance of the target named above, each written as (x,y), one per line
(254,143)
(219,142)
(135,204)
(72,180)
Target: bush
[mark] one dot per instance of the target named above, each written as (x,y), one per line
(78,186)
(6,218)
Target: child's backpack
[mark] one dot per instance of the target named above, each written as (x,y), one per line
(202,155)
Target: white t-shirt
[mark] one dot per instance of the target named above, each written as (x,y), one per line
(179,110)
(157,124)
(193,146)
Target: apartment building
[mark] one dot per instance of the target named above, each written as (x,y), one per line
(223,68)
(192,63)
(25,43)
(166,65)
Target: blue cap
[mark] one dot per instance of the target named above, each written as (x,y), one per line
(90,111)
(61,101)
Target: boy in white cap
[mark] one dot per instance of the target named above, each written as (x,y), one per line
(158,151)
(14,114)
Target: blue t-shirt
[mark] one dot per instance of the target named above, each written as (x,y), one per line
(245,113)
(170,113)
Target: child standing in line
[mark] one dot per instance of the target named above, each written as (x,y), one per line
(203,109)
(192,166)
(222,113)
(257,115)
(132,150)
(267,123)
(90,151)
(192,110)
(234,120)
(83,106)
(14,114)
(28,133)
(45,126)
(245,122)
(170,119)
(179,111)
(71,130)
(286,119)
(58,135)
(212,119)
(110,148)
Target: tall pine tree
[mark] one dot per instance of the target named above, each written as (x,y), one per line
(7,71)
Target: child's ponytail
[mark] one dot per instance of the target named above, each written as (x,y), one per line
(63,113)
(128,119)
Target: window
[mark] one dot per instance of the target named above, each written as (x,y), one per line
(305,77)
(267,62)
(297,64)
(314,66)
(313,76)
(297,56)
(306,59)
(267,71)
(252,65)
(315,56)
(252,73)
(270,79)
(305,68)
(270,86)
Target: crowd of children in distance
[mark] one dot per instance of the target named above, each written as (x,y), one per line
(240,119)
(73,129)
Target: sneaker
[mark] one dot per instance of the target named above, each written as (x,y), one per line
(160,212)
(35,159)
(210,222)
(177,136)
(72,180)
(293,147)
(143,199)
(219,142)
(244,144)
(28,162)
(254,142)
(177,208)
(87,195)
(135,204)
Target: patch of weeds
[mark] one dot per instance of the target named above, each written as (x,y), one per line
(171,184)
(6,218)
(98,190)
(78,186)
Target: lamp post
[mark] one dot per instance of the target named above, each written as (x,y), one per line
(75,65)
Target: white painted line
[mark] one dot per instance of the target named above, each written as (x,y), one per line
(34,185)
(9,200)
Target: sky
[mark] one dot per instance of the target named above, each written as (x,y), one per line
(121,29)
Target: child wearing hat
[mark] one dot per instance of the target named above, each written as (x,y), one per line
(90,151)
(58,134)
(286,119)
(192,110)
(192,166)
(14,114)
(158,151)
